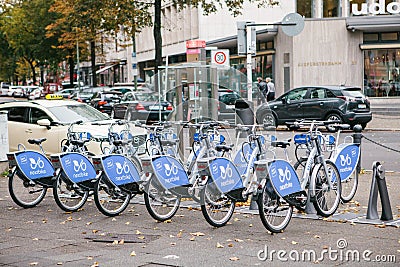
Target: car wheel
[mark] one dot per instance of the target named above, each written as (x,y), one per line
(334,117)
(269,120)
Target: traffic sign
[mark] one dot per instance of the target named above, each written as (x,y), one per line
(220,58)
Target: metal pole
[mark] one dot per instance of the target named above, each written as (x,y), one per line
(249,69)
(77,62)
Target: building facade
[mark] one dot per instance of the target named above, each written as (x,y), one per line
(343,42)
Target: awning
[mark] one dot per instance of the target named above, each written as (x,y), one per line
(379,46)
(383,23)
(104,69)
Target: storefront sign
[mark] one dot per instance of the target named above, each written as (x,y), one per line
(319,64)
(376,8)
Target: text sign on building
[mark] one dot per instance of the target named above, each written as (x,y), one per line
(195,44)
(377,8)
(220,58)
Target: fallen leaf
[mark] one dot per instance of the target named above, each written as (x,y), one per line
(133,253)
(179,235)
(88,223)
(113,219)
(317,236)
(59,263)
(251,225)
(115,242)
(234,258)
(33,263)
(230,245)
(198,234)
(138,232)
(168,221)
(90,258)
(219,245)
(127,223)
(294,242)
(174,257)
(238,240)
(94,231)
(283,238)
(95,264)
(35,239)
(121,242)
(69,218)
(192,238)
(141,237)
(236,219)
(172,244)
(381,225)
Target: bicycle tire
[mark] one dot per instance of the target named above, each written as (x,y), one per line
(275,213)
(109,200)
(349,187)
(161,204)
(299,168)
(217,209)
(326,205)
(68,196)
(25,193)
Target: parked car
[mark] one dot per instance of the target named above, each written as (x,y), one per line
(86,94)
(50,118)
(67,93)
(4,88)
(226,106)
(142,107)
(346,104)
(105,100)
(33,92)
(16,91)
(51,88)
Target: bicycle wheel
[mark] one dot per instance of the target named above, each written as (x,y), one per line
(110,200)
(68,196)
(160,203)
(326,200)
(24,192)
(275,213)
(299,168)
(217,208)
(349,187)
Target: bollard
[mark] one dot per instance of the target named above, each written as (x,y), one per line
(253,204)
(310,209)
(357,140)
(378,185)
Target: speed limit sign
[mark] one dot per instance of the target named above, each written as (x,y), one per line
(220,58)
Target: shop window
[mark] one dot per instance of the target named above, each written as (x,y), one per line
(331,8)
(304,8)
(371,37)
(389,36)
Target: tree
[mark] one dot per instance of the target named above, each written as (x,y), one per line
(25,33)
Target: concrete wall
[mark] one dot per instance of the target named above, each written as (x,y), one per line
(324,53)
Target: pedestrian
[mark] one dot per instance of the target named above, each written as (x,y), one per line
(271,89)
(262,89)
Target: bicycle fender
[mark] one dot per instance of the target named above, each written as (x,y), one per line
(34,165)
(346,160)
(76,167)
(225,175)
(170,172)
(283,178)
(119,169)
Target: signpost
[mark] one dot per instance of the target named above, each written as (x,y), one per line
(220,58)
(293,24)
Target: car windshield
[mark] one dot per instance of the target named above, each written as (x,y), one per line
(71,113)
(147,97)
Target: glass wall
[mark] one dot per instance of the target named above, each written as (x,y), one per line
(331,8)
(304,7)
(381,72)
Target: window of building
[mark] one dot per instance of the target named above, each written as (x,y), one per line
(389,36)
(370,37)
(304,7)
(331,8)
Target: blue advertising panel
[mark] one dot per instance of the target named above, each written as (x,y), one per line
(301,138)
(34,165)
(77,167)
(242,158)
(225,175)
(283,178)
(170,172)
(346,160)
(120,170)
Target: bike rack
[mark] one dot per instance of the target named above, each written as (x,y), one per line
(379,185)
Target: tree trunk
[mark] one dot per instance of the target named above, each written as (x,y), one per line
(71,69)
(157,36)
(93,62)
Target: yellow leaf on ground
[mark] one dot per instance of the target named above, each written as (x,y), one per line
(294,242)
(133,253)
(234,258)
(219,245)
(138,232)
(197,234)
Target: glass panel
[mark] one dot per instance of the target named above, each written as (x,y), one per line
(304,8)
(368,37)
(381,72)
(331,8)
(389,36)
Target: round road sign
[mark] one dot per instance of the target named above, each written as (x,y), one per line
(220,57)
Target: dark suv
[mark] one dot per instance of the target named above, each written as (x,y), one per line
(343,103)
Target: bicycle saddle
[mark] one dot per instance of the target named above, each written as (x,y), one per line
(282,144)
(36,141)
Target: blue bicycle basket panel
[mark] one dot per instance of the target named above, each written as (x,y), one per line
(85,136)
(284,178)
(242,158)
(169,136)
(34,165)
(330,138)
(301,138)
(219,139)
(125,135)
(170,172)
(77,167)
(120,170)
(225,175)
(346,160)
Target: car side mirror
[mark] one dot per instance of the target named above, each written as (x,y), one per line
(44,122)
(284,100)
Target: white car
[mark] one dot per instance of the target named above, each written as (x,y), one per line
(50,119)
(15,91)
(32,92)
